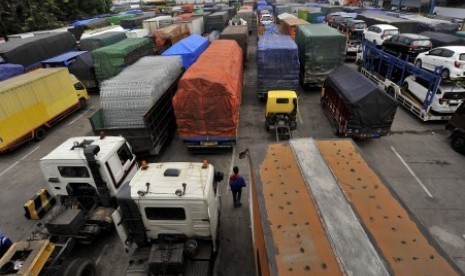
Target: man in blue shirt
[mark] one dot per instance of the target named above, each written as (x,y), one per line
(236,182)
(5,244)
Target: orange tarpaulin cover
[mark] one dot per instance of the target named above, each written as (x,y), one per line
(208,98)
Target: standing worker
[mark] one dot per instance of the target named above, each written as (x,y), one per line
(236,182)
(5,244)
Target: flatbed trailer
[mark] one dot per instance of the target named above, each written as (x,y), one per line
(318,207)
(389,72)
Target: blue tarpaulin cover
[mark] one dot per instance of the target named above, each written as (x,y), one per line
(277,63)
(189,48)
(9,70)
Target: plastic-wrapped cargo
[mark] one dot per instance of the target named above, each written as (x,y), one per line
(277,64)
(101,40)
(207,102)
(136,22)
(216,21)
(125,98)
(431,24)
(290,25)
(240,34)
(29,52)
(109,61)
(441,39)
(116,20)
(9,70)
(322,49)
(189,48)
(404,25)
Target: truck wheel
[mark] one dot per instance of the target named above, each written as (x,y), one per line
(83,103)
(458,143)
(39,134)
(80,267)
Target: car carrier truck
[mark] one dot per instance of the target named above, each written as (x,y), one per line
(84,174)
(171,212)
(33,102)
(319,208)
(457,126)
(391,73)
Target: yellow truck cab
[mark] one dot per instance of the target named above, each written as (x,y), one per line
(33,102)
(281,112)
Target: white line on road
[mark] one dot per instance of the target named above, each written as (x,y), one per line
(230,168)
(88,109)
(101,254)
(411,172)
(16,163)
(300,119)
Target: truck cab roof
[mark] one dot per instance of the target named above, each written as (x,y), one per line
(73,148)
(166,180)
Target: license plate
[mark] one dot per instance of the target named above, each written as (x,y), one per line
(209,143)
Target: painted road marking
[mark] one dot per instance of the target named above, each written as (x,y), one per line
(16,163)
(411,172)
(80,116)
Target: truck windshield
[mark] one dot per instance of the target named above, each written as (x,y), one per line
(72,172)
(164,213)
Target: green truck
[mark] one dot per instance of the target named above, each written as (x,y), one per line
(322,49)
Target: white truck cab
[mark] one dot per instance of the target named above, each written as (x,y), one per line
(173,203)
(84,166)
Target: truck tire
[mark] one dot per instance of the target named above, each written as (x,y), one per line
(39,134)
(80,267)
(83,103)
(458,143)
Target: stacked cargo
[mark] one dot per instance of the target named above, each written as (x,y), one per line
(193,23)
(247,15)
(125,98)
(290,25)
(156,23)
(136,22)
(231,11)
(29,52)
(321,50)
(216,21)
(138,104)
(79,27)
(107,29)
(277,64)
(101,40)
(207,102)
(109,61)
(282,9)
(238,33)
(439,39)
(189,48)
(404,25)
(315,17)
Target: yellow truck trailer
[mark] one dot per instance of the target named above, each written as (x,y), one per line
(318,208)
(35,101)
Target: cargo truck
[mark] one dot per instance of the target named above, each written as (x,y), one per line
(319,208)
(33,102)
(79,63)
(206,104)
(171,212)
(84,174)
(322,49)
(355,106)
(137,104)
